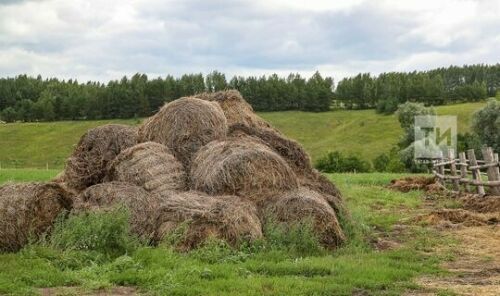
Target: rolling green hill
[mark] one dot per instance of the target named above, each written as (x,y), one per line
(359,132)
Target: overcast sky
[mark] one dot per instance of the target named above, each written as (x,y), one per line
(106,39)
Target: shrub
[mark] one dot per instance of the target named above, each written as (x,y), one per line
(389,162)
(335,162)
(486,124)
(106,232)
(387,106)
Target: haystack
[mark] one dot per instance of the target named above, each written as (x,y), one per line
(97,148)
(195,217)
(296,157)
(185,125)
(28,210)
(106,196)
(304,205)
(236,109)
(150,165)
(241,166)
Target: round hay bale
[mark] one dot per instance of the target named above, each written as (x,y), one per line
(150,165)
(106,196)
(199,216)
(291,151)
(184,126)
(296,157)
(241,166)
(28,210)
(306,205)
(97,148)
(235,108)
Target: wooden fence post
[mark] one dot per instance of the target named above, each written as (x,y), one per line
(440,168)
(453,169)
(493,171)
(476,173)
(463,169)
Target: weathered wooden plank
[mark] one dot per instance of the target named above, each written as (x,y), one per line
(463,170)
(476,173)
(493,171)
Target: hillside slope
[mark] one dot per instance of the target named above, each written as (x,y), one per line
(360,132)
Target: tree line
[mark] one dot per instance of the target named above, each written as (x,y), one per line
(435,87)
(25,98)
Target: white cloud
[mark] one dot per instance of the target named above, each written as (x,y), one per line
(97,39)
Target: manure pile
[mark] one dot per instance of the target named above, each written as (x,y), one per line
(203,166)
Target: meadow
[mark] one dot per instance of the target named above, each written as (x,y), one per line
(278,267)
(361,132)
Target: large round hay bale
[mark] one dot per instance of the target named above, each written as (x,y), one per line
(107,196)
(235,108)
(241,166)
(97,148)
(290,150)
(150,165)
(184,126)
(304,205)
(194,217)
(28,210)
(298,159)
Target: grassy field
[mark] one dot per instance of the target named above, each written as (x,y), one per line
(358,268)
(36,145)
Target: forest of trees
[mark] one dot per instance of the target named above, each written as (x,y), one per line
(435,87)
(25,98)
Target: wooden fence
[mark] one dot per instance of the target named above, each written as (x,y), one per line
(469,174)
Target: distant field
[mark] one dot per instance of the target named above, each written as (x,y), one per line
(359,132)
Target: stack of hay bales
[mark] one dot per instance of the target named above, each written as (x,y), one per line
(206,165)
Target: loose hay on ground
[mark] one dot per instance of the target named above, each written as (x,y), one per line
(28,210)
(236,109)
(459,216)
(184,126)
(223,217)
(413,183)
(95,150)
(298,205)
(138,201)
(150,165)
(241,166)
(481,204)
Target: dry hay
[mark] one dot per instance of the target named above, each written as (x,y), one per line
(97,148)
(302,204)
(413,183)
(459,216)
(28,210)
(235,108)
(298,159)
(150,165)
(200,217)
(107,196)
(241,166)
(485,204)
(185,125)
(290,150)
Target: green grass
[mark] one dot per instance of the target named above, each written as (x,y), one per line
(261,269)
(26,175)
(27,145)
